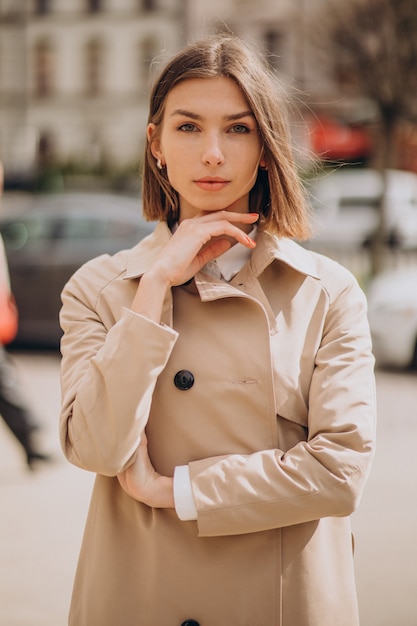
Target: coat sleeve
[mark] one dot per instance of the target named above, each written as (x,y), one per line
(323,476)
(107,377)
(4,269)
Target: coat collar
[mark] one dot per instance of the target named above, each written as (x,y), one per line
(268,249)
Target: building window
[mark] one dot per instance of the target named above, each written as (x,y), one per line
(42,7)
(148,49)
(148,5)
(44,69)
(94,6)
(94,67)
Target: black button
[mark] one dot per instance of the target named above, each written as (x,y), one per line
(184,380)
(190,622)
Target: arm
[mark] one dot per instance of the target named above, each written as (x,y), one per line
(4,268)
(196,242)
(108,374)
(109,370)
(323,476)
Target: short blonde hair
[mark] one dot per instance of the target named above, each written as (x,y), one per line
(277,194)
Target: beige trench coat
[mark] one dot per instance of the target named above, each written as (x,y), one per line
(277,430)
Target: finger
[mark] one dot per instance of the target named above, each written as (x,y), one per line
(213,250)
(199,231)
(223,228)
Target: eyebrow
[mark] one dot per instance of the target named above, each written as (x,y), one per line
(228,118)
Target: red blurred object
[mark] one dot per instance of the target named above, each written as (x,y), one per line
(334,141)
(9,318)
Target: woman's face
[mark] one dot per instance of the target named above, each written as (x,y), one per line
(210,145)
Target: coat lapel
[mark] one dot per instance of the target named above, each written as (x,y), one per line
(245,284)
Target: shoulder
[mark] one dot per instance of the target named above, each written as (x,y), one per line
(339,284)
(326,273)
(93,277)
(333,276)
(319,278)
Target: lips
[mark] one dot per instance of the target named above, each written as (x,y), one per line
(210,183)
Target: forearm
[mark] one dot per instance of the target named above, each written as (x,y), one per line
(324,472)
(107,391)
(241,494)
(150,295)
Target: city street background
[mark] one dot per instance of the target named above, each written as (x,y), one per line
(43,512)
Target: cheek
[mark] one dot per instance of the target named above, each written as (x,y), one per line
(175,155)
(248,167)
(175,173)
(178,162)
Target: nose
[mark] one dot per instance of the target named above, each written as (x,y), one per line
(213,153)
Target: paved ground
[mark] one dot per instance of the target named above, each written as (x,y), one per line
(42,514)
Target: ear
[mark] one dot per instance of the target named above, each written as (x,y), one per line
(154,141)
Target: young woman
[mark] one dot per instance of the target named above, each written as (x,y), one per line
(218,378)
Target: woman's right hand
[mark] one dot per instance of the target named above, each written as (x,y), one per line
(199,240)
(196,241)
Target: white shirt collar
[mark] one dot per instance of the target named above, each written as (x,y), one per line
(231,261)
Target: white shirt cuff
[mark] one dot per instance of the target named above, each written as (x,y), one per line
(183,494)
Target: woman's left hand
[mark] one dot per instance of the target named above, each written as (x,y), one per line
(141,482)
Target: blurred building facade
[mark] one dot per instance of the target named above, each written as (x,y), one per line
(75,74)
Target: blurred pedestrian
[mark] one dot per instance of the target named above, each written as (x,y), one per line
(246,360)
(13,407)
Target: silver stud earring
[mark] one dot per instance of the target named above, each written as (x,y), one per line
(159,164)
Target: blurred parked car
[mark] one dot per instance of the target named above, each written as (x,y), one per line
(48,240)
(336,140)
(392,302)
(345,207)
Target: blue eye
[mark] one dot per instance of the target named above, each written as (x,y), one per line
(188,127)
(239,128)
